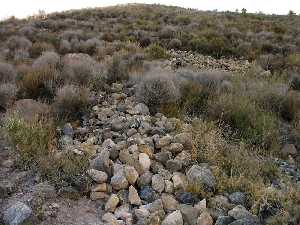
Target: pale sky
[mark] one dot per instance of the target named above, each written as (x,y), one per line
(23,8)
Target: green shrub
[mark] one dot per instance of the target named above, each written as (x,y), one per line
(155,51)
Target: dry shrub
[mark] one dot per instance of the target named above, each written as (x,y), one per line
(39,84)
(157,88)
(7,73)
(70,103)
(47,59)
(80,69)
(7,95)
(39,47)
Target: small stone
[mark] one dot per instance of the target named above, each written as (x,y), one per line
(100,187)
(112,203)
(17,214)
(175,218)
(169,202)
(174,165)
(189,213)
(131,174)
(98,176)
(200,176)
(288,149)
(147,150)
(185,139)
(179,181)
(240,212)
(131,132)
(237,198)
(144,161)
(133,196)
(205,219)
(119,181)
(158,183)
(147,194)
(224,220)
(184,157)
(163,156)
(145,179)
(142,109)
(169,188)
(187,198)
(110,219)
(98,195)
(174,148)
(164,141)
(201,205)
(141,213)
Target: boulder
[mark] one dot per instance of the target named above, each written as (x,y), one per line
(200,176)
(97,176)
(189,213)
(17,214)
(240,212)
(112,203)
(119,181)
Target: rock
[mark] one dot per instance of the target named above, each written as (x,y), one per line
(288,149)
(155,206)
(97,176)
(68,130)
(44,190)
(240,212)
(133,196)
(169,202)
(187,198)
(185,139)
(205,219)
(131,174)
(123,196)
(147,194)
(141,213)
(245,221)
(163,156)
(147,150)
(200,176)
(110,219)
(131,132)
(224,220)
(98,195)
(119,181)
(142,109)
(112,203)
(220,203)
(17,214)
(100,187)
(175,218)
(145,179)
(174,165)
(174,148)
(179,181)
(158,183)
(201,205)
(169,188)
(237,198)
(164,141)
(7,187)
(119,124)
(122,212)
(69,192)
(184,157)
(144,161)
(189,214)
(102,162)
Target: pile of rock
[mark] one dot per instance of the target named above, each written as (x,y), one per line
(142,168)
(202,62)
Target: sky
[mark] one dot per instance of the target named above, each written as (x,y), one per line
(24,8)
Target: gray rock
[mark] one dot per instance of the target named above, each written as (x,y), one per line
(17,214)
(164,141)
(224,220)
(240,212)
(174,165)
(169,188)
(163,156)
(119,181)
(201,176)
(158,183)
(174,148)
(179,181)
(184,157)
(102,162)
(145,179)
(185,139)
(237,198)
(147,194)
(175,218)
(189,213)
(142,109)
(169,202)
(68,130)
(97,176)
(245,221)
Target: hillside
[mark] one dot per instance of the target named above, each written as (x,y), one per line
(148,115)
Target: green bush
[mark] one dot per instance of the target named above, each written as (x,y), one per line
(155,51)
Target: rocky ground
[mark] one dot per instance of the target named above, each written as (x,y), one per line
(141,168)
